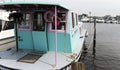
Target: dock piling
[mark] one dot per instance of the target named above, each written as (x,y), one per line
(78,66)
(94,38)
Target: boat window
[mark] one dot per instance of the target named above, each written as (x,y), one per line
(73,21)
(38,22)
(76,19)
(61,21)
(8,25)
(62,16)
(0,25)
(25,23)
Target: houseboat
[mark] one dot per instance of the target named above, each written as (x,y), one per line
(7,39)
(48,36)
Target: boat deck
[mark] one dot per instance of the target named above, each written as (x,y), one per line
(10,57)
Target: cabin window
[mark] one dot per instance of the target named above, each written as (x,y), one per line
(73,21)
(0,25)
(76,19)
(38,22)
(25,23)
(8,25)
(61,21)
(62,16)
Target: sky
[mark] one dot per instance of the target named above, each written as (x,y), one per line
(96,7)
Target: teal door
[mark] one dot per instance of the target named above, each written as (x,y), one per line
(25,40)
(39,32)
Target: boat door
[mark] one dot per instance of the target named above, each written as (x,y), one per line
(25,40)
(39,31)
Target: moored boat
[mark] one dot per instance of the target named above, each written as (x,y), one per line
(7,39)
(48,36)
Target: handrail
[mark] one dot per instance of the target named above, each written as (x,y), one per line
(7,38)
(7,42)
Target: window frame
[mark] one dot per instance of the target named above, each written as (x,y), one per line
(43,21)
(29,24)
(64,21)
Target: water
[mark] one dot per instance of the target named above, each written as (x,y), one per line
(107,48)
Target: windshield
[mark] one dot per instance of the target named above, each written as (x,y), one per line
(8,25)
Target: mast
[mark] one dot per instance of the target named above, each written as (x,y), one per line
(55,36)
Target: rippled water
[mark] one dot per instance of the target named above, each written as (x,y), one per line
(107,48)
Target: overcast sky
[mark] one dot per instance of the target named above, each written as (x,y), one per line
(96,7)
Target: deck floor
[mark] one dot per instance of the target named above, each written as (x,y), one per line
(9,58)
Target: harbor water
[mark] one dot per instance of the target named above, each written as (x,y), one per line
(107,56)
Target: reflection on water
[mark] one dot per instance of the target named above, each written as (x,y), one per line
(107,48)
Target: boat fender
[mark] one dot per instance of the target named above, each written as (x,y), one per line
(73,56)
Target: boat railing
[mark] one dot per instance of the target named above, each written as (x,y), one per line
(67,66)
(8,68)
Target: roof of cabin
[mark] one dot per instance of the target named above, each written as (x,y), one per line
(9,5)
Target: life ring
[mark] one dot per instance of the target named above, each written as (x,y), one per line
(48,16)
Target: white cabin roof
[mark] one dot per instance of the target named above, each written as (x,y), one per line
(17,4)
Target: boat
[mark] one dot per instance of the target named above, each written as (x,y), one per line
(48,36)
(7,39)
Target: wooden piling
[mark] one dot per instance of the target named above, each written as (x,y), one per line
(94,38)
(78,66)
(16,35)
